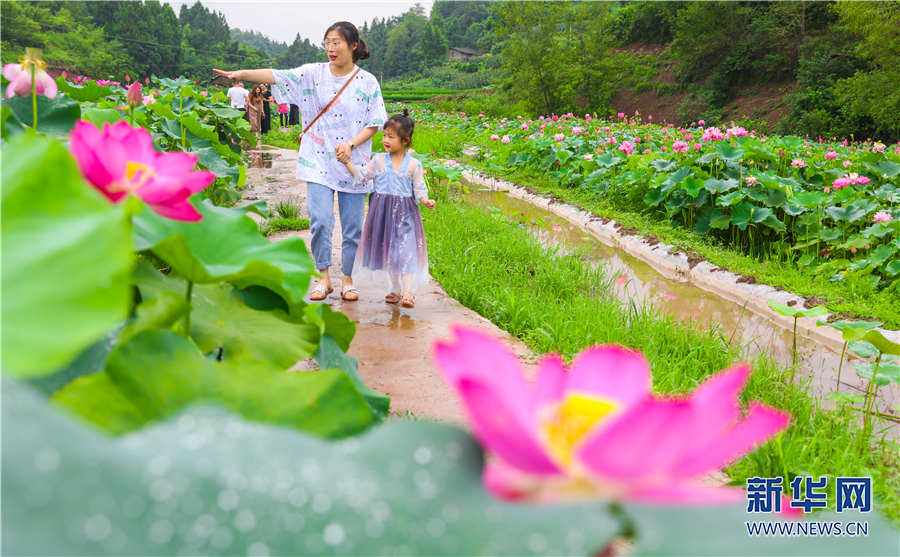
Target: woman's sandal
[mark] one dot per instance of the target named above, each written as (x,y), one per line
(392,298)
(407,300)
(349,289)
(320,292)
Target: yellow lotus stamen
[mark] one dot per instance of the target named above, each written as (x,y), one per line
(136,175)
(571,420)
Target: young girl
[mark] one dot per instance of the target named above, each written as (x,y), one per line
(392,248)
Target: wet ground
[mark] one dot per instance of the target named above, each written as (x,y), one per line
(393,344)
(637,280)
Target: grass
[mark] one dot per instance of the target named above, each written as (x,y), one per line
(287,208)
(273,225)
(557,302)
(852,299)
(286,139)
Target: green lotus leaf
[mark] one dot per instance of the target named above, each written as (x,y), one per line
(866,205)
(850,213)
(729,153)
(65,259)
(195,250)
(846,398)
(772,222)
(853,334)
(863,349)
(745,213)
(775,198)
(677,201)
(887,372)
(717,186)
(702,226)
(855,241)
(882,253)
(89,92)
(878,230)
(221,320)
(654,196)
(664,165)
(793,210)
(375,491)
(891,169)
(159,373)
(332,356)
(732,198)
(789,311)
(829,234)
(719,219)
(676,178)
(893,267)
(692,186)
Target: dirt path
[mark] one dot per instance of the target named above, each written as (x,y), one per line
(393,344)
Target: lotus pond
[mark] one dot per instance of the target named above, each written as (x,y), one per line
(147,331)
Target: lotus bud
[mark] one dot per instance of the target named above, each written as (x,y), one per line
(134,98)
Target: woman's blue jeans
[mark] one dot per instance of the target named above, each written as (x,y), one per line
(352,209)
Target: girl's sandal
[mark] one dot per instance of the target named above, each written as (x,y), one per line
(407,300)
(349,293)
(320,292)
(392,298)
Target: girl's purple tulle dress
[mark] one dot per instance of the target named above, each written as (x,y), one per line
(393,239)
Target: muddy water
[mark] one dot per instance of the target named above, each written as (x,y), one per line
(687,302)
(260,159)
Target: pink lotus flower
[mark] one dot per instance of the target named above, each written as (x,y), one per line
(830,155)
(701,123)
(621,115)
(751,181)
(626,147)
(559,137)
(20,76)
(120,160)
(647,151)
(495,137)
(147,81)
(698,147)
(679,147)
(712,134)
(847,163)
(737,131)
(531,136)
(882,216)
(577,130)
(860,180)
(596,430)
(841,183)
(523,127)
(798,163)
(555,117)
(505,139)
(127,77)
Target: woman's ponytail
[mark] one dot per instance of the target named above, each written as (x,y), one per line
(362,50)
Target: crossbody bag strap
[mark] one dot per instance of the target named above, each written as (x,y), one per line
(327,106)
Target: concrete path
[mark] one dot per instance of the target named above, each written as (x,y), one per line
(393,344)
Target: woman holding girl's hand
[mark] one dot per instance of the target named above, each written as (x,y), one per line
(340,135)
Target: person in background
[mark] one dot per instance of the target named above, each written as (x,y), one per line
(283,115)
(266,123)
(294,117)
(255,109)
(238,96)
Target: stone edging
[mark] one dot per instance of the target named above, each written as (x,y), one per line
(720,282)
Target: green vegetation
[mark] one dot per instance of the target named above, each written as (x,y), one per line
(285,139)
(556,302)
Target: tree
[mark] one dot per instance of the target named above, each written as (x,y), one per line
(874,92)
(530,31)
(432,43)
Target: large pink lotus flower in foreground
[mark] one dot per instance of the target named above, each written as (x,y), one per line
(596,429)
(20,76)
(120,160)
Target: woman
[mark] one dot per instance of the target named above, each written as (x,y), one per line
(255,109)
(343,133)
(266,123)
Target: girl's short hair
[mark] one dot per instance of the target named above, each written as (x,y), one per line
(402,125)
(350,33)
